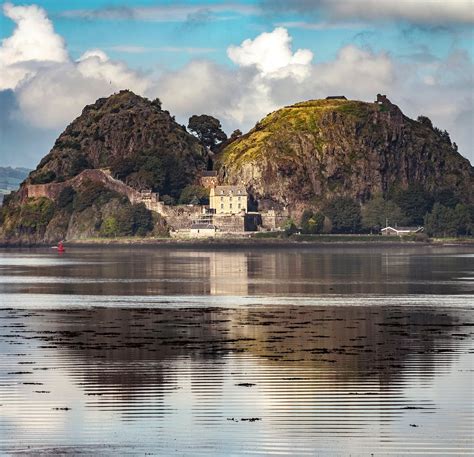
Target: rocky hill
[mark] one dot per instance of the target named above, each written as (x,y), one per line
(319,149)
(132,136)
(337,161)
(127,136)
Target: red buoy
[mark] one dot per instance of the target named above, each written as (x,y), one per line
(61,247)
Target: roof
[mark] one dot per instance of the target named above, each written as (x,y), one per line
(403,229)
(201,226)
(336,97)
(230,190)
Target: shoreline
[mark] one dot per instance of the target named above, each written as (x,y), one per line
(250,242)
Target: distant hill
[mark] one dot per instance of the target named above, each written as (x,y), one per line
(10,179)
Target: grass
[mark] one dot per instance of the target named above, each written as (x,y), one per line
(346,238)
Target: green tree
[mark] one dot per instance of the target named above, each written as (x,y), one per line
(290,227)
(168,200)
(376,213)
(345,215)
(92,193)
(109,227)
(35,215)
(194,193)
(440,222)
(141,180)
(446,197)
(311,223)
(142,220)
(66,198)
(122,167)
(208,129)
(464,219)
(414,202)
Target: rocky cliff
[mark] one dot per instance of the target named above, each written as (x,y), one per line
(315,150)
(299,157)
(133,137)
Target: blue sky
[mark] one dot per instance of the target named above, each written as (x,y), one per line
(414,50)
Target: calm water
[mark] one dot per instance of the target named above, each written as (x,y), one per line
(148,351)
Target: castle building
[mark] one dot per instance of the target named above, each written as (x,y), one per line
(228,199)
(209,179)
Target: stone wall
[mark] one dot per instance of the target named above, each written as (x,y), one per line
(52,190)
(272,220)
(180,217)
(229,223)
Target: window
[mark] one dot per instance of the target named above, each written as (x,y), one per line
(222,205)
(222,199)
(230,206)
(239,197)
(238,205)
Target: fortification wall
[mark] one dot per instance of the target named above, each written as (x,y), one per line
(180,217)
(272,220)
(52,190)
(229,223)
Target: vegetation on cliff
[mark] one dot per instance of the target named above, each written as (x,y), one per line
(133,137)
(317,150)
(334,165)
(139,143)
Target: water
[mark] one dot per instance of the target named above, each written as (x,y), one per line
(325,351)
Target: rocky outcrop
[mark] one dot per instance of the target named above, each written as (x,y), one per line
(315,150)
(126,133)
(123,146)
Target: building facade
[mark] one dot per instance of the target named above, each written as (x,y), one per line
(228,200)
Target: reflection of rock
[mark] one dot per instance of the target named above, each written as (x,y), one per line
(127,349)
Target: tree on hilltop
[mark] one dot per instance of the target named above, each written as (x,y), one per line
(208,129)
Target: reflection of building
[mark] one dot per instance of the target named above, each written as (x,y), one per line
(228,199)
(228,273)
(400,231)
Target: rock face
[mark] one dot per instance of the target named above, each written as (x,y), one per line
(315,150)
(73,192)
(122,127)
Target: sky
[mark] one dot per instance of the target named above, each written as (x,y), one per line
(236,60)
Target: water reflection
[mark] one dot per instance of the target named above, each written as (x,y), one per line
(291,372)
(327,271)
(237,352)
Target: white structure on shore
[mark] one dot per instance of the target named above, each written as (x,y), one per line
(400,231)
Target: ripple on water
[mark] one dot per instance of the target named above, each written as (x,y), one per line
(273,380)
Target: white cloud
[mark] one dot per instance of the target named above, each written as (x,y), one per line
(33,43)
(436,12)
(425,12)
(441,89)
(271,54)
(51,89)
(269,75)
(165,13)
(64,89)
